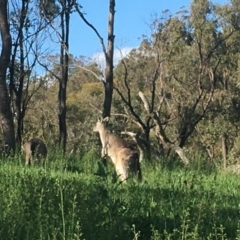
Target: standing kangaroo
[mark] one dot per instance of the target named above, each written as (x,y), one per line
(35,150)
(124,159)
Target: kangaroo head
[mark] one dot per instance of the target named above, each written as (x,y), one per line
(100,124)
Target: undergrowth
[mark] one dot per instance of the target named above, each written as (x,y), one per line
(80,197)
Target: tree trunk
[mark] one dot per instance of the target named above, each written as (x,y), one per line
(62,114)
(19,89)
(160,133)
(109,63)
(224,151)
(210,151)
(20,117)
(181,154)
(6,117)
(146,143)
(108,83)
(64,61)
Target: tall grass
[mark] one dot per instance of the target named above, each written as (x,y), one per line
(78,197)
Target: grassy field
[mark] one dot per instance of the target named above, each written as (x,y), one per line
(79,198)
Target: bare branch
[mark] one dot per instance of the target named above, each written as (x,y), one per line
(130,119)
(137,117)
(159,126)
(100,78)
(92,27)
(145,102)
(126,83)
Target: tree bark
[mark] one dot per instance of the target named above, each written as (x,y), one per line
(109,63)
(224,150)
(16,86)
(64,62)
(108,82)
(6,116)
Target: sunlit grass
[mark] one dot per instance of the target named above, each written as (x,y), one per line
(78,197)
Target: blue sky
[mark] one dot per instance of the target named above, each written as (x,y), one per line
(131,22)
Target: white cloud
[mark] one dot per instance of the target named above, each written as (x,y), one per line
(119,54)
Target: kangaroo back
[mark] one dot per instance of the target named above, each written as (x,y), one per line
(134,165)
(125,160)
(131,164)
(35,151)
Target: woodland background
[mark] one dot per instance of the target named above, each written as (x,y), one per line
(178,91)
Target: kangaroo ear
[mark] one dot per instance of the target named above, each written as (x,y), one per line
(106,119)
(100,119)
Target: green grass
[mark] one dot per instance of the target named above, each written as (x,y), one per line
(79,198)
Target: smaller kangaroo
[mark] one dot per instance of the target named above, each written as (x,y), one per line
(35,151)
(124,159)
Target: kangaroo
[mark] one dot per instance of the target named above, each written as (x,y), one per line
(124,159)
(35,151)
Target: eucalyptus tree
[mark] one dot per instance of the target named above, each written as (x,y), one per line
(66,7)
(131,76)
(218,132)
(42,113)
(6,117)
(82,103)
(27,29)
(108,53)
(184,56)
(60,10)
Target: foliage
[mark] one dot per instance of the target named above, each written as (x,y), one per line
(187,69)
(186,76)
